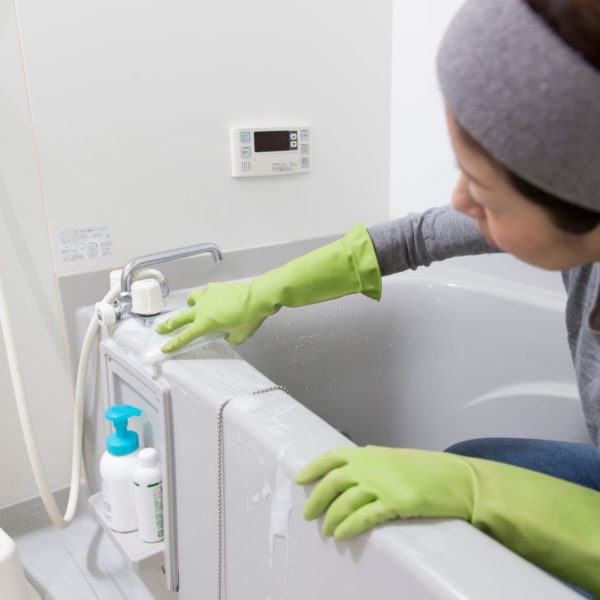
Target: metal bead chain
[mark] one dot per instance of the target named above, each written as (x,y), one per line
(220,500)
(221,486)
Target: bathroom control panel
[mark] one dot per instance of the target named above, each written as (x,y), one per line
(259,151)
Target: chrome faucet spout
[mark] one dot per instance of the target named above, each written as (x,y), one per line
(165,256)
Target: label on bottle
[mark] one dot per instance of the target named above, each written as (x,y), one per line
(158,508)
(149,504)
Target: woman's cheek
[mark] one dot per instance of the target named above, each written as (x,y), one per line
(485,232)
(503,237)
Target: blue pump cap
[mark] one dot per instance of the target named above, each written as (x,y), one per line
(123,441)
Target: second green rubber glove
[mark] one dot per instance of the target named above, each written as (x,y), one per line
(553,523)
(346,266)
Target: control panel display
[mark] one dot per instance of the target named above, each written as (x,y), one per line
(272,141)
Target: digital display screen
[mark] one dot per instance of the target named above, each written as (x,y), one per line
(271,141)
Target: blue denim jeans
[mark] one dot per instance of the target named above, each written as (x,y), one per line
(577,463)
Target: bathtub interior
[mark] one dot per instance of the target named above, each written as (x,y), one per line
(270,551)
(442,358)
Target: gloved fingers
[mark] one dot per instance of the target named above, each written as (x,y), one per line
(319,467)
(185,337)
(181,318)
(325,492)
(363,519)
(344,505)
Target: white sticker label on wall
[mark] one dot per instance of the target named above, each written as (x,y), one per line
(87,243)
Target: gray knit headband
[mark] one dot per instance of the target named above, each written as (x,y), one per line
(528,98)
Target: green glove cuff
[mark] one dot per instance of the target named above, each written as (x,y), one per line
(360,246)
(346,266)
(549,521)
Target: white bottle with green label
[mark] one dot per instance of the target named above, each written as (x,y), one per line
(116,470)
(147,480)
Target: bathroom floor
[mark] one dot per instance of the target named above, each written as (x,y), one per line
(82,563)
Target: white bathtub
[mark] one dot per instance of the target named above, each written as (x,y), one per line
(448,354)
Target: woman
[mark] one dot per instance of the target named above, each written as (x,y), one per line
(521,80)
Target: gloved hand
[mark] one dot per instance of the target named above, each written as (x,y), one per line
(343,267)
(552,523)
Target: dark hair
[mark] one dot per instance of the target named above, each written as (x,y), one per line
(577,22)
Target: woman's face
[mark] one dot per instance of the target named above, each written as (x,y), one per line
(507,219)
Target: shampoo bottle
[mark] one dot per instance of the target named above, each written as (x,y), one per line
(147,480)
(116,470)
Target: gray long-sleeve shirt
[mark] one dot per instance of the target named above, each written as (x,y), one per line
(439,233)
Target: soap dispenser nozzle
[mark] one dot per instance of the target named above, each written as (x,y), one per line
(122,441)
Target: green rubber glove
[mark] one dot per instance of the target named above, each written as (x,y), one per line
(550,522)
(343,267)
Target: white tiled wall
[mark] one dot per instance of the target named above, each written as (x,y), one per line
(131,101)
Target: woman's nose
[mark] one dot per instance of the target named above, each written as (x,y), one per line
(462,200)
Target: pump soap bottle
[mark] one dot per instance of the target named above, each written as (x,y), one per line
(116,470)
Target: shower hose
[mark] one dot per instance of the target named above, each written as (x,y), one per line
(78,411)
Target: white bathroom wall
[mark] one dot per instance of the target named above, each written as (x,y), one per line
(422,166)
(128,137)
(26,268)
(133,101)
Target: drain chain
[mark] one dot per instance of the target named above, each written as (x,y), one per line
(221,593)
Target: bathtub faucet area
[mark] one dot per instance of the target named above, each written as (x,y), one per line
(150,293)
